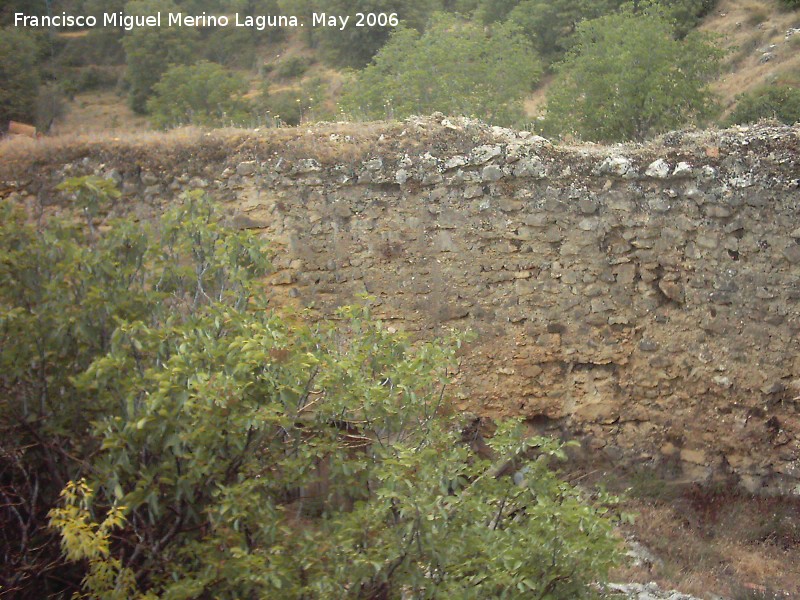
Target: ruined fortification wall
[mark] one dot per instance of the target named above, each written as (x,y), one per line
(643,299)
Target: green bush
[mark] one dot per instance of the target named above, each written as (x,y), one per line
(87,79)
(417,74)
(494,11)
(150,52)
(249,422)
(207,447)
(64,289)
(101,46)
(355,46)
(628,78)
(50,106)
(285,107)
(685,14)
(202,94)
(231,46)
(19,76)
(781,102)
(293,67)
(550,24)
(291,107)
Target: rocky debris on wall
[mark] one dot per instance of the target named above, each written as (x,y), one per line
(643,299)
(638,591)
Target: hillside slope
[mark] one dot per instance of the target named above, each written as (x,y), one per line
(763,41)
(762,38)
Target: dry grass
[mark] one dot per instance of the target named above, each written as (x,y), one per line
(193,150)
(64,147)
(757,13)
(709,542)
(744,51)
(99,112)
(295,46)
(748,28)
(535,103)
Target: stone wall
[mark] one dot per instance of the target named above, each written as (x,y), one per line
(642,299)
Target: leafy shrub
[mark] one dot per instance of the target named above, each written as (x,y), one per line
(628,78)
(87,79)
(64,289)
(231,46)
(781,102)
(151,51)
(417,74)
(19,74)
(494,11)
(286,107)
(550,24)
(291,107)
(50,106)
(355,46)
(203,94)
(685,14)
(99,46)
(248,424)
(293,67)
(206,446)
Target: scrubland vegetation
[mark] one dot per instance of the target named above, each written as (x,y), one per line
(608,70)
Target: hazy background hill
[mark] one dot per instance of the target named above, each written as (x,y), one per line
(695,62)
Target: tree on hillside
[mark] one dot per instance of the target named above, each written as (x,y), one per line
(454,67)
(9,7)
(291,106)
(98,7)
(628,78)
(461,7)
(19,77)
(356,45)
(203,94)
(685,14)
(150,51)
(550,24)
(494,11)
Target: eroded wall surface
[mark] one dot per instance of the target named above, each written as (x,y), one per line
(642,299)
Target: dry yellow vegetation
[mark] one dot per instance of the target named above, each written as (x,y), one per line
(763,49)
